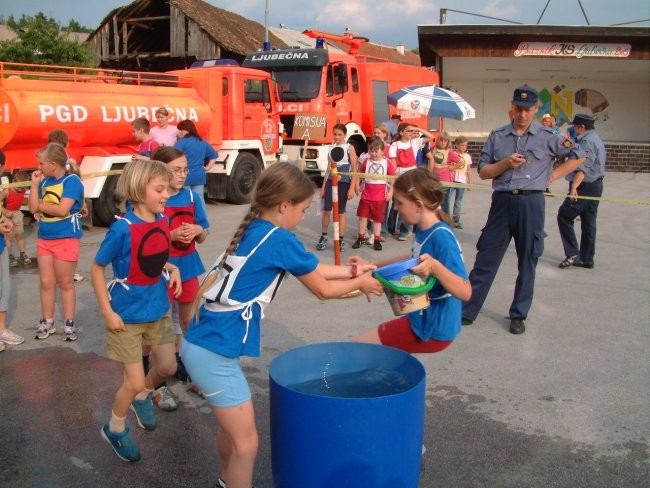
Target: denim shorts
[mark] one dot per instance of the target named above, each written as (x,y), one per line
(219,378)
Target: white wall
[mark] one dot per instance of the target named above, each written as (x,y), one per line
(625,119)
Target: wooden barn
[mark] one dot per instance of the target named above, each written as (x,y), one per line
(160,35)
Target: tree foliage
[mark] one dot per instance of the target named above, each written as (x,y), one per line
(74,26)
(42,41)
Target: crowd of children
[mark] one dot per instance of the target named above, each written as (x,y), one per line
(155,264)
(373,171)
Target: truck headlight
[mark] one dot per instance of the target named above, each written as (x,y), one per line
(310,153)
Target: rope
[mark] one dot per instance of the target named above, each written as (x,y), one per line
(623,201)
(97,174)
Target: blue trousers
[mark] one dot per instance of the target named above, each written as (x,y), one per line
(391,223)
(587,210)
(446,203)
(511,216)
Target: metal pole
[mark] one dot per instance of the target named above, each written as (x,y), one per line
(335,213)
(266,21)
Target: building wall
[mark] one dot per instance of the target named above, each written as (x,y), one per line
(621,109)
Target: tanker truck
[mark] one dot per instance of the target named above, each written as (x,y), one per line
(234,109)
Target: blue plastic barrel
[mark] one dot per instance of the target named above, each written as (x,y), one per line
(347,415)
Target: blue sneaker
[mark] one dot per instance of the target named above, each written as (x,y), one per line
(143,410)
(122,444)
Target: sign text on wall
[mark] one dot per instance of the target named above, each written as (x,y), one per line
(577,50)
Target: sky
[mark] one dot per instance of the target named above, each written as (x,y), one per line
(387,22)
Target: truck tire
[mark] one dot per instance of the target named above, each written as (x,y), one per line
(106,207)
(243,178)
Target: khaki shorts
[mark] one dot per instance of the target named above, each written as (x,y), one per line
(17,219)
(126,346)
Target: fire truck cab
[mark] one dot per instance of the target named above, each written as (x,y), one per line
(348,89)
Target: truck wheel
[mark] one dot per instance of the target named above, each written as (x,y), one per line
(106,206)
(243,178)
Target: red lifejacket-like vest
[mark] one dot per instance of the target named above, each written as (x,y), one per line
(177,217)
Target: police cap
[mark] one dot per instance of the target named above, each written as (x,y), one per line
(583,119)
(525,96)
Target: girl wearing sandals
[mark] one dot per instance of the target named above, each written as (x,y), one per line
(241,284)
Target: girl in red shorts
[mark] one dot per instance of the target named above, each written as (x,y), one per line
(417,196)
(56,196)
(376,192)
(188,224)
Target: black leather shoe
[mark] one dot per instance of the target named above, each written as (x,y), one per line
(581,264)
(466,321)
(517,326)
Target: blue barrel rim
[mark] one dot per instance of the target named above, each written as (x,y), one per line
(415,369)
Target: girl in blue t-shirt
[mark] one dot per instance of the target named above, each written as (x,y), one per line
(188,226)
(417,196)
(201,156)
(242,283)
(56,196)
(135,304)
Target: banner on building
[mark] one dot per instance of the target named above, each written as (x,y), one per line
(573,50)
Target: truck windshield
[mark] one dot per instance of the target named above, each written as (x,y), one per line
(298,85)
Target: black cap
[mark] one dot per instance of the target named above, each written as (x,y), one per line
(396,117)
(525,96)
(583,119)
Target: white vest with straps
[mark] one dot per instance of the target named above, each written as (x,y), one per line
(217,298)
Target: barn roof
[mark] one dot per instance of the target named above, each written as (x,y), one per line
(231,31)
(234,32)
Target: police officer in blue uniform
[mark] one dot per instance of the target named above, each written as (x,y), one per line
(587,180)
(518,158)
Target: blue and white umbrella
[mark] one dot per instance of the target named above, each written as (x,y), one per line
(433,101)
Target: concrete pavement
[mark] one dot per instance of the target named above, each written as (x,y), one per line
(567,404)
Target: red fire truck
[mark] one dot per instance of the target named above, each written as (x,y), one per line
(234,109)
(346,88)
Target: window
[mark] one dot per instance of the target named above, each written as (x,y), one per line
(298,84)
(337,79)
(355,80)
(256,91)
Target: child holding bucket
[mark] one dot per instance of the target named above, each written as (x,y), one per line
(418,195)
(237,289)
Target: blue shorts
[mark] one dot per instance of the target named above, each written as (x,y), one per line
(343,188)
(219,378)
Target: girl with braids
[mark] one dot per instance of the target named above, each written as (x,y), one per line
(242,283)
(417,196)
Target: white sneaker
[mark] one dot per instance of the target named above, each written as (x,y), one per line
(45,330)
(9,337)
(69,331)
(77,278)
(164,400)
